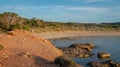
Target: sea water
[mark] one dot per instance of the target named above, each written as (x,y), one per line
(103,44)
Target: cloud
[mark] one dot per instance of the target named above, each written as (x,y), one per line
(87,1)
(56,8)
(91,1)
(14,8)
(33,7)
(92,9)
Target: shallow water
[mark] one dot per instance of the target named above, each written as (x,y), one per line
(104,44)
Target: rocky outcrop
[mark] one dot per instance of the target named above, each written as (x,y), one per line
(103,55)
(78,50)
(108,63)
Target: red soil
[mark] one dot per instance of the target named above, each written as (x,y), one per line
(36,52)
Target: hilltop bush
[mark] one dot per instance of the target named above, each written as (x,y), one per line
(1,47)
(63,61)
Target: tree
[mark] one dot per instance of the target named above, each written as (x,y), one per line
(8,18)
(34,22)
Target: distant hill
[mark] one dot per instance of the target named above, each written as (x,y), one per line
(11,21)
(114,23)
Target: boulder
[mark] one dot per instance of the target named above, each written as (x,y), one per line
(103,55)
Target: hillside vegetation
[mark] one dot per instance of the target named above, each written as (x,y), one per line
(10,21)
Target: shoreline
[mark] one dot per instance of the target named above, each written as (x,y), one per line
(52,35)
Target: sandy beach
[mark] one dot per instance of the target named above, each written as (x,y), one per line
(50,35)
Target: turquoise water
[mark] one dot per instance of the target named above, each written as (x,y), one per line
(104,44)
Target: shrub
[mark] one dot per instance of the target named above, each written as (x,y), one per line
(25,27)
(63,61)
(1,47)
(15,26)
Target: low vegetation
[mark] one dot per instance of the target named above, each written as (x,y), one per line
(1,47)
(63,61)
(10,21)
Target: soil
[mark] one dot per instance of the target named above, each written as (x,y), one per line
(22,49)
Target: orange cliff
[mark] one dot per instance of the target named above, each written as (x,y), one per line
(19,42)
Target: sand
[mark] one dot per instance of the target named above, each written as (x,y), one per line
(50,35)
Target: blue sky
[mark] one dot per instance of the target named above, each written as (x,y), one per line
(89,11)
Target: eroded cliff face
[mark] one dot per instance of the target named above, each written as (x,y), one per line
(23,48)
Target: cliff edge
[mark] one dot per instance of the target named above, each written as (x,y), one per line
(22,49)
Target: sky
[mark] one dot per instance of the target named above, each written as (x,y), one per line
(83,11)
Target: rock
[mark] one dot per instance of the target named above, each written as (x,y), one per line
(75,46)
(103,55)
(91,45)
(108,63)
(88,49)
(25,54)
(78,50)
(117,65)
(68,38)
(87,46)
(10,33)
(32,31)
(95,64)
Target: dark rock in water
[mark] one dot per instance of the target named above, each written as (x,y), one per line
(91,45)
(95,64)
(108,63)
(103,55)
(68,38)
(87,46)
(83,55)
(78,50)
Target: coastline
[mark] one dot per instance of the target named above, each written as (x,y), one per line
(51,35)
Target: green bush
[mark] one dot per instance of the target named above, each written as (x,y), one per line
(25,27)
(1,47)
(63,61)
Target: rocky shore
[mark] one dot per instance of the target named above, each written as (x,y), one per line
(78,50)
(108,63)
(85,51)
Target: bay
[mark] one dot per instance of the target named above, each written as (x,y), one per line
(103,44)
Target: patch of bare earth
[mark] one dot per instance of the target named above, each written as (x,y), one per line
(22,49)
